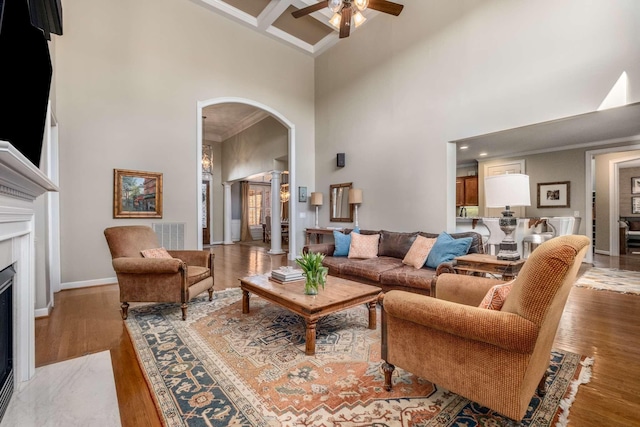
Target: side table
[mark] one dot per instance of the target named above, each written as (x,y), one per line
(489,264)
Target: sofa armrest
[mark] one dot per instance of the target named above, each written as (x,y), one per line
(445,267)
(502,329)
(324,248)
(193,257)
(147,265)
(463,289)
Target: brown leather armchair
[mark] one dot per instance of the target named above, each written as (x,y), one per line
(177,279)
(493,357)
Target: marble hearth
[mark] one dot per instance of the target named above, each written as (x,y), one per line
(20,183)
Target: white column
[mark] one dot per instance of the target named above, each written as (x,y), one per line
(276,230)
(227,213)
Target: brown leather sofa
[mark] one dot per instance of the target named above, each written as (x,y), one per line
(387,270)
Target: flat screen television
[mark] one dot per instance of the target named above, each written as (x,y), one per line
(25,79)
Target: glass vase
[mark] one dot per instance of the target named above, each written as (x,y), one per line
(311,285)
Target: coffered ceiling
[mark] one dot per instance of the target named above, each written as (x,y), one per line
(312,34)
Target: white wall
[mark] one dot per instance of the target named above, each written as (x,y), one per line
(392,96)
(129,75)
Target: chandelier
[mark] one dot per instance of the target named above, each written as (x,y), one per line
(284,193)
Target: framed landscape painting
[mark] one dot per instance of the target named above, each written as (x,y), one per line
(137,194)
(554,194)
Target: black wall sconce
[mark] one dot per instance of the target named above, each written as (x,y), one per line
(340,161)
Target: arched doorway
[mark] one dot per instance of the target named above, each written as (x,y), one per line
(291,161)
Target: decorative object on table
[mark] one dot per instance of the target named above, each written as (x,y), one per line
(302,194)
(316,200)
(137,194)
(314,272)
(635,185)
(635,205)
(507,190)
(554,194)
(355,198)
(226,377)
(287,274)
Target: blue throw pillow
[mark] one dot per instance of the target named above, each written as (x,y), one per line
(447,248)
(343,242)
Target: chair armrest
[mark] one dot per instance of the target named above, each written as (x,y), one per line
(463,289)
(502,329)
(147,265)
(193,257)
(324,248)
(445,267)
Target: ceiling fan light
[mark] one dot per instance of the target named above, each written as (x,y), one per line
(358,19)
(335,5)
(335,20)
(361,4)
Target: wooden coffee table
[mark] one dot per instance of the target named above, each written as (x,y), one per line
(489,264)
(338,294)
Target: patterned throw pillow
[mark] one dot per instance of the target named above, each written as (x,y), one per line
(496,296)
(155,253)
(419,251)
(342,242)
(364,246)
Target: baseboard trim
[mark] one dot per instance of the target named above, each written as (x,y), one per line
(88,283)
(601,252)
(43,312)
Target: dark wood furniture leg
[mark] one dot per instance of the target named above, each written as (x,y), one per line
(372,314)
(245,301)
(310,345)
(183,306)
(125,310)
(388,369)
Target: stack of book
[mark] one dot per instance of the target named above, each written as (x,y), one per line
(282,276)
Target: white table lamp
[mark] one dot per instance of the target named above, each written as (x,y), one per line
(506,191)
(355,198)
(316,200)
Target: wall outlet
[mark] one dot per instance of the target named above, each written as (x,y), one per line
(576,213)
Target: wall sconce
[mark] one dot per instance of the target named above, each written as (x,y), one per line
(316,200)
(355,198)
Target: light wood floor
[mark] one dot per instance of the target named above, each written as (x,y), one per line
(600,324)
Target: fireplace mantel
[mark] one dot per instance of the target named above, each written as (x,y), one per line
(20,183)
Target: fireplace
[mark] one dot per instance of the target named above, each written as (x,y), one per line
(6,338)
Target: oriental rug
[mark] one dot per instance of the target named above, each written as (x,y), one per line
(225,368)
(610,279)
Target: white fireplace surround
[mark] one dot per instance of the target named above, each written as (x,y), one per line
(20,183)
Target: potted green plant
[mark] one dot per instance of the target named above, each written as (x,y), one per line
(314,272)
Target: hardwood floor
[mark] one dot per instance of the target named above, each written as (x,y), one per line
(604,325)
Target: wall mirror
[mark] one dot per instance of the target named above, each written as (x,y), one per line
(341,210)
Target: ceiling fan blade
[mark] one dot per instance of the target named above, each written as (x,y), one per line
(345,22)
(310,9)
(386,6)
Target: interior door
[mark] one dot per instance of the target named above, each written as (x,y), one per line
(206,221)
(514,166)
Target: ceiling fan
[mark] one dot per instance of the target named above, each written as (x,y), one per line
(346,9)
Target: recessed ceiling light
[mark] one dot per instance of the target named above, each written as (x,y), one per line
(483,154)
(464,147)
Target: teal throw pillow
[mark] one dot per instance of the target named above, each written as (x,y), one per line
(342,242)
(447,248)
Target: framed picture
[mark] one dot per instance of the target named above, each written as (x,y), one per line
(302,194)
(554,194)
(635,205)
(137,194)
(635,185)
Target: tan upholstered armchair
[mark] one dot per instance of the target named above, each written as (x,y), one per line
(493,357)
(177,279)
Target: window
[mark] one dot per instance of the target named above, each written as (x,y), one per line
(259,204)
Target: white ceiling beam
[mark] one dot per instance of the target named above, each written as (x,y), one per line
(272,12)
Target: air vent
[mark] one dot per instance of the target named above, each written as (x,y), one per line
(170,234)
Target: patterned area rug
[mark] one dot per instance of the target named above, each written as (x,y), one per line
(610,279)
(225,368)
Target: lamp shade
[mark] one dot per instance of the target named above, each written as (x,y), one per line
(507,190)
(316,199)
(355,196)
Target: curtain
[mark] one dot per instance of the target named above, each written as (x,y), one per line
(245,230)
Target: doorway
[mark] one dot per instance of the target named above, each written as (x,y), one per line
(224,200)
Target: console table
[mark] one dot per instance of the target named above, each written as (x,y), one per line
(489,264)
(319,232)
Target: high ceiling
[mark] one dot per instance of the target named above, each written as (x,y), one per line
(312,34)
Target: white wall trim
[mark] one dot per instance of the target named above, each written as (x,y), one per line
(89,283)
(44,312)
